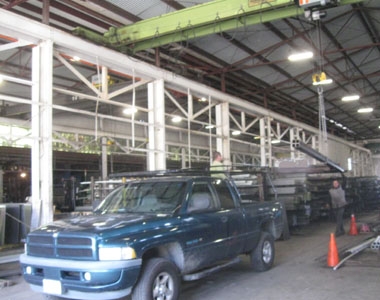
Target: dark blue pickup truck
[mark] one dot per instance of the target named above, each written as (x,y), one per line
(147,236)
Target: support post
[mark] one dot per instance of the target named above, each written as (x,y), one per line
(269,141)
(189,119)
(183,158)
(1,185)
(263,154)
(314,146)
(103,140)
(222,119)
(42,124)
(156,104)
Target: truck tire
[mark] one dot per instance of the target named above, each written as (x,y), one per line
(51,297)
(262,256)
(159,280)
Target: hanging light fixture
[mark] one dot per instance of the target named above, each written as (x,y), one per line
(130,111)
(364,110)
(300,56)
(176,119)
(351,98)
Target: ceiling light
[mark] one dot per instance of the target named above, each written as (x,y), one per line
(236,132)
(332,121)
(344,127)
(176,119)
(210,126)
(203,99)
(365,110)
(351,98)
(257,137)
(76,58)
(301,56)
(130,111)
(276,141)
(23,175)
(323,82)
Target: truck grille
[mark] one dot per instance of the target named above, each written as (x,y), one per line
(61,246)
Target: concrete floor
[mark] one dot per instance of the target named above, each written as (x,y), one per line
(300,272)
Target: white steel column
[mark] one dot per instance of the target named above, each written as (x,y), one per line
(1,184)
(156,159)
(268,126)
(42,154)
(103,140)
(189,119)
(183,158)
(314,146)
(262,143)
(222,118)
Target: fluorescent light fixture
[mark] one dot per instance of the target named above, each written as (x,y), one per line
(276,141)
(23,175)
(130,111)
(301,56)
(76,58)
(202,99)
(365,110)
(332,121)
(351,98)
(176,119)
(323,82)
(344,127)
(236,132)
(339,125)
(210,126)
(257,137)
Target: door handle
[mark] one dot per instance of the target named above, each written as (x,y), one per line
(224,219)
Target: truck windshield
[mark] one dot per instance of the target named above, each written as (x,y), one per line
(144,197)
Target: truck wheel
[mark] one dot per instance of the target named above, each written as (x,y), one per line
(51,297)
(262,256)
(159,280)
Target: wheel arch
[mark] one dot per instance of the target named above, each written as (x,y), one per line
(171,251)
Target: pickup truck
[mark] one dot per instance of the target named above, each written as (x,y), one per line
(148,235)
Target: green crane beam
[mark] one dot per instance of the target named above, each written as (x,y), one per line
(194,22)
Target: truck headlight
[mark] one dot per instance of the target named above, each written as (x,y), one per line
(117,253)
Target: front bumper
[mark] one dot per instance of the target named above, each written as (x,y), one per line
(109,279)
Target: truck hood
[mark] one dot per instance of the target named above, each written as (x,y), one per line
(97,224)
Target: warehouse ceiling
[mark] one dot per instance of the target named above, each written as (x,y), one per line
(249,62)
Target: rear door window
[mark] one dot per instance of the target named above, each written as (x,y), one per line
(202,190)
(224,193)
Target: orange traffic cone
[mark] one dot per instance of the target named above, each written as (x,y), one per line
(354,227)
(332,256)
